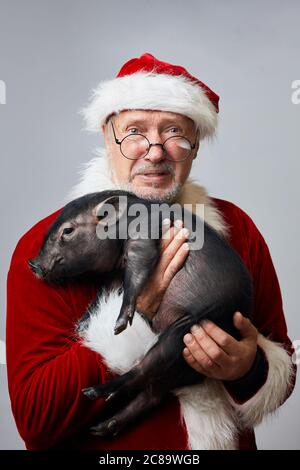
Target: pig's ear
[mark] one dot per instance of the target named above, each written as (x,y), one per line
(111,209)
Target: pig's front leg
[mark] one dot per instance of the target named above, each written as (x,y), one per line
(141,258)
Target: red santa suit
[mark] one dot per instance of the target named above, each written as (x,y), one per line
(48,365)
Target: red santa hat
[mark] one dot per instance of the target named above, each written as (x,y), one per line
(148,83)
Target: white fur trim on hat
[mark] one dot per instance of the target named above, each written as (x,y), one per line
(151,91)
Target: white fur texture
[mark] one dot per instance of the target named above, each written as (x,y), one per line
(208,416)
(272,393)
(123,351)
(146,90)
(95,176)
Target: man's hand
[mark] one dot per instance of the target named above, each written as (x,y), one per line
(216,354)
(174,251)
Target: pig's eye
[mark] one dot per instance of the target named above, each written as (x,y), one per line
(68,230)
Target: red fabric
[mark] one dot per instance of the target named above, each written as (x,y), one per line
(47,368)
(148,63)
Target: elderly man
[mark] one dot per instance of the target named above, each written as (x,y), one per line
(153,116)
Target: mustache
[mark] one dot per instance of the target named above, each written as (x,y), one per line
(163,167)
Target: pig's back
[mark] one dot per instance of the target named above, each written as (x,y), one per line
(213,283)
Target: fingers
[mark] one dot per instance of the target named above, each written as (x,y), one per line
(223,339)
(244,325)
(198,358)
(176,262)
(214,353)
(168,231)
(174,252)
(212,350)
(192,361)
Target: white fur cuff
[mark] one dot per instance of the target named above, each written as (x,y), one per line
(272,394)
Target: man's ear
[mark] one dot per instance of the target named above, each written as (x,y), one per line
(106,136)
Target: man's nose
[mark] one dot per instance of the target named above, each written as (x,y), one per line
(156,153)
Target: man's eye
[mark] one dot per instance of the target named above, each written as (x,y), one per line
(174,130)
(133,130)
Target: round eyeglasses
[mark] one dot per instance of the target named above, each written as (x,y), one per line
(137,146)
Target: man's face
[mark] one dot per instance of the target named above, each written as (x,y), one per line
(133,175)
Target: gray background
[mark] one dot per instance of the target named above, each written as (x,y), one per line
(53,52)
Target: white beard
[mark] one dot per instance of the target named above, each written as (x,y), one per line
(169,195)
(152,192)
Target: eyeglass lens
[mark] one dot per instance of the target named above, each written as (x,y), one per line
(137,146)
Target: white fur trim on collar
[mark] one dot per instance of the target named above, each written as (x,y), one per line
(151,91)
(95,176)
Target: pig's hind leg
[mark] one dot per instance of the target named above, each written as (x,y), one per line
(163,364)
(147,384)
(144,401)
(112,388)
(140,405)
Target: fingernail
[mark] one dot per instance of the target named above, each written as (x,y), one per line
(194,328)
(178,223)
(185,232)
(186,352)
(166,223)
(188,338)
(200,332)
(186,246)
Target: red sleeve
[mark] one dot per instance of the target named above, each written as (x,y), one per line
(268,314)
(47,367)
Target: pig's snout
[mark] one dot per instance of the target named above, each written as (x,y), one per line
(36,268)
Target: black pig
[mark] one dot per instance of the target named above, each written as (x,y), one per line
(212,284)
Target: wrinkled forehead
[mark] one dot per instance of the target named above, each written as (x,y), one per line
(148,117)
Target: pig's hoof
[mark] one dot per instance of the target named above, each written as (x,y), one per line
(90,392)
(120,326)
(130,319)
(106,428)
